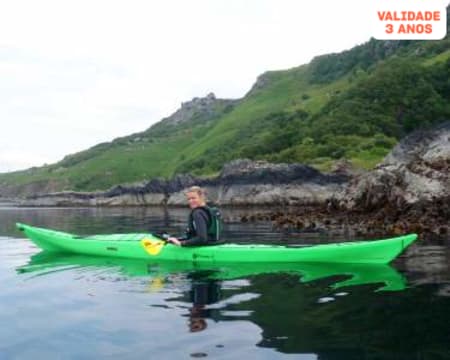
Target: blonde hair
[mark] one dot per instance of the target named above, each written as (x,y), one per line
(198,190)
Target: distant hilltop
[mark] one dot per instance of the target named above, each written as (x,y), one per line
(204,107)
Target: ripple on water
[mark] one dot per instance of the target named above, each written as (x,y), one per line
(15,252)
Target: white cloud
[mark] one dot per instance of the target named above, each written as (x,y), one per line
(77,73)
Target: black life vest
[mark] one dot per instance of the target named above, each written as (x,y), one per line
(214,222)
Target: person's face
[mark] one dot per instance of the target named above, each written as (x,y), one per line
(194,200)
(197,324)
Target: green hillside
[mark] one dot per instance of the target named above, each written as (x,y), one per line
(354,105)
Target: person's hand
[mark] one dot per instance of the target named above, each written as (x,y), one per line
(174,241)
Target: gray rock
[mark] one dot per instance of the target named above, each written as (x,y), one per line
(416,170)
(204,108)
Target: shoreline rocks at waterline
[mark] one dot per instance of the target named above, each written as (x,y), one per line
(241,183)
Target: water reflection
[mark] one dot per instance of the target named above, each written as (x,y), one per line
(203,292)
(337,311)
(382,277)
(279,298)
(321,311)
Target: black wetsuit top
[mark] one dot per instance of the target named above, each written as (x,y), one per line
(197,232)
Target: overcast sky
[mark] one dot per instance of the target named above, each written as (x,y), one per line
(77,73)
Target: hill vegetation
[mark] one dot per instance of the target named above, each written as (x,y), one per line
(354,105)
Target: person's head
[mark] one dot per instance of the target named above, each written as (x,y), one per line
(196,196)
(197,321)
(197,324)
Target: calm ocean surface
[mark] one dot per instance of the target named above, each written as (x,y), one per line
(74,307)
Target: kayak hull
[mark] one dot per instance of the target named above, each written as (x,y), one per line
(139,246)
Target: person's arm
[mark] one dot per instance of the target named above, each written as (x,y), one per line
(200,218)
(180,239)
(177,240)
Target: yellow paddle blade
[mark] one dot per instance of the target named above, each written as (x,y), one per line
(156,285)
(153,247)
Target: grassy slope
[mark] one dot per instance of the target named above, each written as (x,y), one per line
(202,146)
(160,150)
(152,153)
(284,93)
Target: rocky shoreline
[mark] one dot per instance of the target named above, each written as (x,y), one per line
(408,192)
(241,183)
(430,220)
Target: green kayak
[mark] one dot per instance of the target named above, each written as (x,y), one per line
(149,246)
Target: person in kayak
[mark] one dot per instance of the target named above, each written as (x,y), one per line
(204,221)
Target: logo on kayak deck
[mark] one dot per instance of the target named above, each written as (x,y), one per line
(153,247)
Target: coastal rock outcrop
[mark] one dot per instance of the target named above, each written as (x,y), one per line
(241,182)
(198,107)
(417,170)
(407,192)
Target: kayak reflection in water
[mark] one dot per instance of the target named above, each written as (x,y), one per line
(203,292)
(204,225)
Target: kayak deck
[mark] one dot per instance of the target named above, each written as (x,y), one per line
(148,246)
